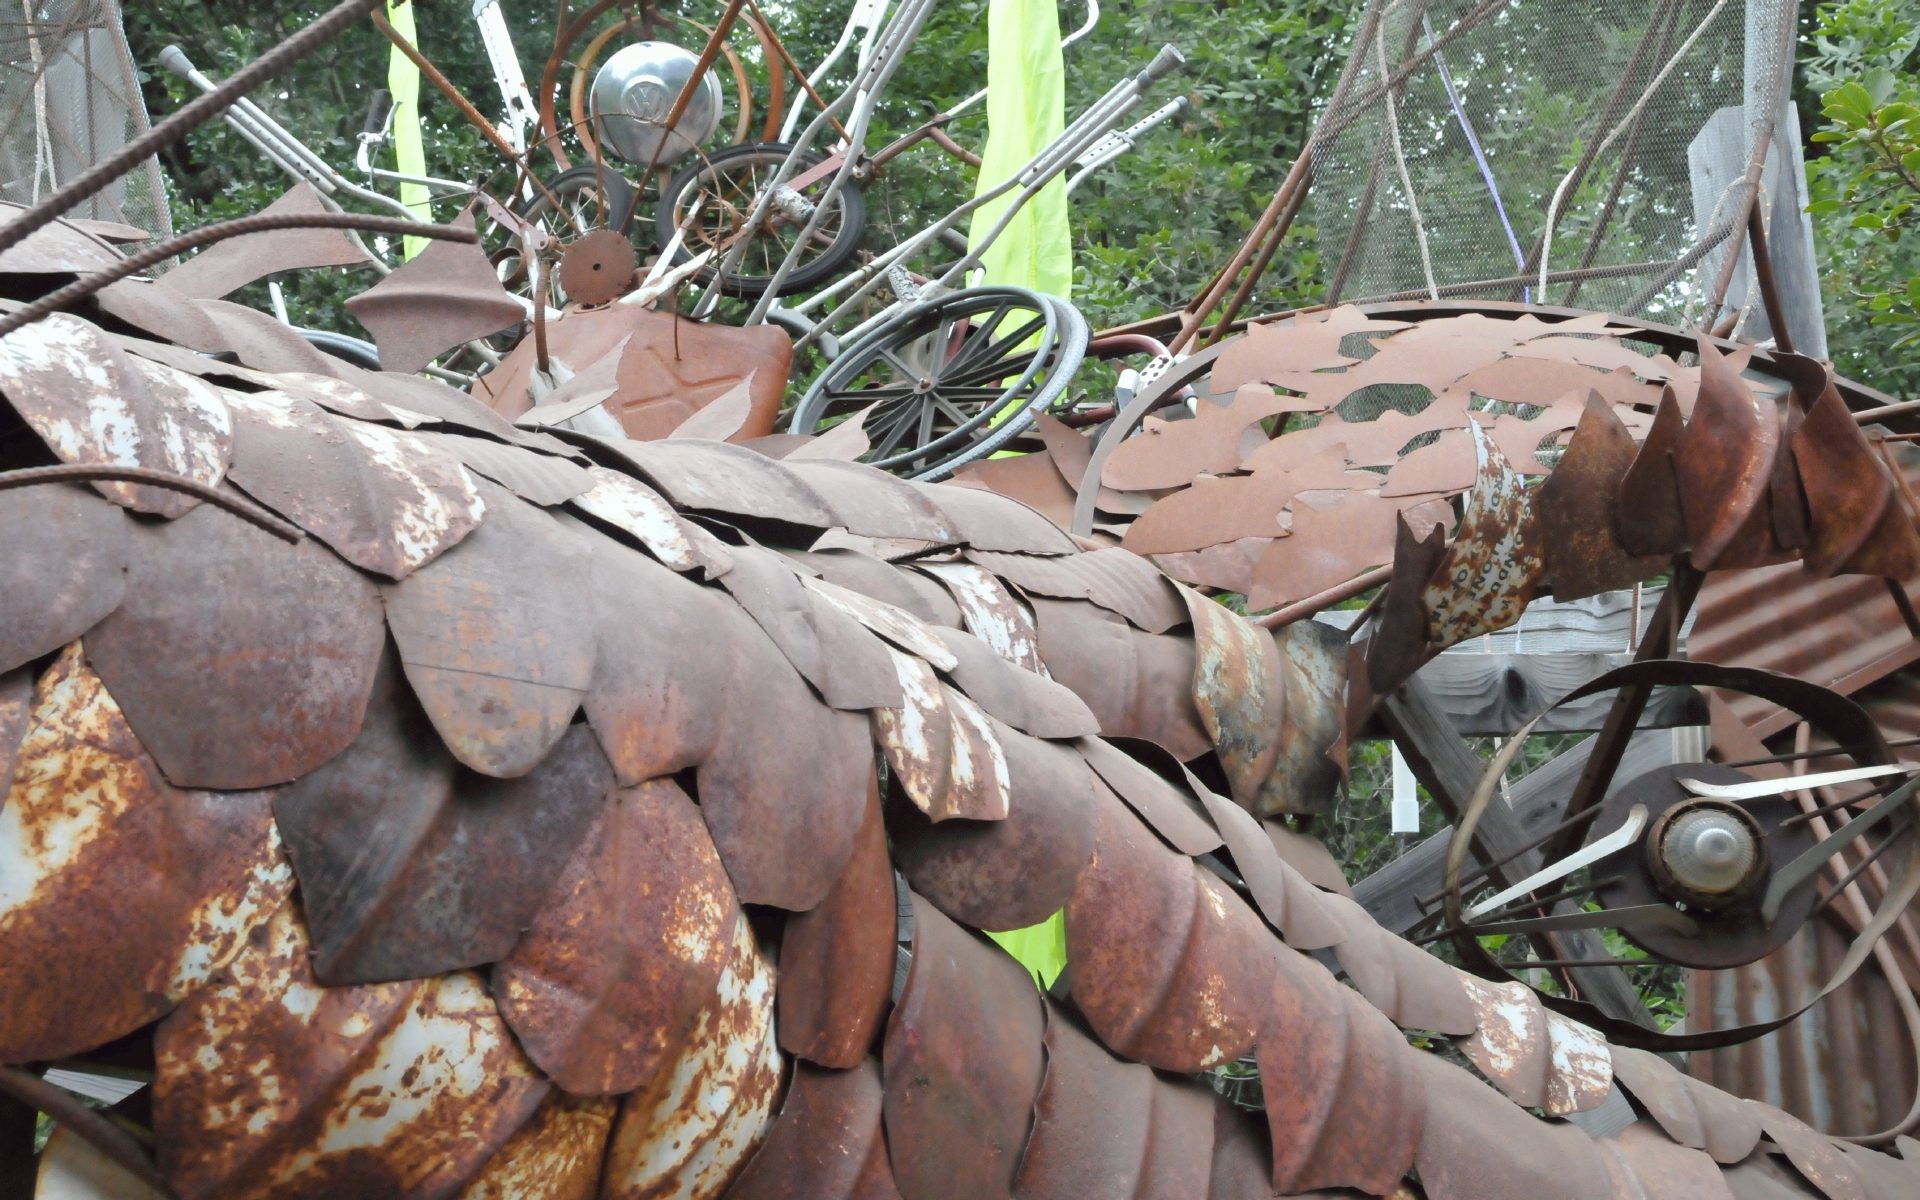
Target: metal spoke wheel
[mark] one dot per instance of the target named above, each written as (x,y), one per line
(950,380)
(588,198)
(717,195)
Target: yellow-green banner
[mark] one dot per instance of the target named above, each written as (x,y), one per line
(403,81)
(1026,109)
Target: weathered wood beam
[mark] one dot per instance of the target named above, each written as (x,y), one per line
(1495,694)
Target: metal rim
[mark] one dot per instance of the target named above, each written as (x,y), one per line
(1071,352)
(743,172)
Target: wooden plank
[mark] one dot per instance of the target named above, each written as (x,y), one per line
(1495,694)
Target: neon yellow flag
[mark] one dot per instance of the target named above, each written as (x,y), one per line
(1026,109)
(1041,949)
(403,81)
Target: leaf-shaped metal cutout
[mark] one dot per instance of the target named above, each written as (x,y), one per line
(1494,566)
(1724,459)
(1578,508)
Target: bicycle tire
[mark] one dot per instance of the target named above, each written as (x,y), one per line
(1070,352)
(832,261)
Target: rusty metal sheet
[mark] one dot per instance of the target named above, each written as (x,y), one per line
(1397,646)
(1664,1171)
(543,479)
(1478,1146)
(1137,684)
(241,661)
(1730,1125)
(1494,567)
(1724,459)
(691,1130)
(1168,454)
(867,574)
(764,585)
(66,555)
(61,248)
(1510,1043)
(385,500)
(1170,967)
(1577,509)
(1663,1092)
(856,666)
(1411,987)
(1242,1154)
(636,509)
(1305,777)
(1818,1159)
(269,1085)
(1884,1176)
(1031,479)
(1025,700)
(260,341)
(556,1155)
(1277,352)
(1240,692)
(16,707)
(942,747)
(1091,1121)
(1580,1068)
(660,679)
(231,265)
(717,477)
(1650,517)
(92,403)
(837,958)
(784,788)
(598,267)
(893,623)
(121,893)
(489,638)
(154,310)
(827,1142)
(441,297)
(963,1065)
(1343,1101)
(1011,873)
(1445,465)
(722,417)
(1114,579)
(1310,857)
(1857,522)
(1763,1178)
(1290,903)
(1168,810)
(991,613)
(1336,535)
(627,948)
(415,399)
(985,521)
(1225,509)
(409,866)
(872,503)
(1179,1158)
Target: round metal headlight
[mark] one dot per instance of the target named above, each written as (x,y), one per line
(634,91)
(1708,853)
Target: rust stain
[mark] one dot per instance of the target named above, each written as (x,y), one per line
(1494,566)
(991,613)
(917,737)
(895,624)
(1239,689)
(1511,1045)
(1580,1068)
(689,1133)
(556,1155)
(633,507)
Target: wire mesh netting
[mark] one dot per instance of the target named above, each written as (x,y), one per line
(1502,112)
(69,97)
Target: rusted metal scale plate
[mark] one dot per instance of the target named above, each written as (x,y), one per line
(231,265)
(1413,988)
(942,747)
(602,985)
(1240,693)
(1170,811)
(385,500)
(1091,1121)
(963,1065)
(1578,510)
(1279,352)
(1137,684)
(1580,1074)
(1494,566)
(269,1085)
(872,503)
(1724,460)
(848,666)
(490,641)
(1649,513)
(1117,580)
(1884,1176)
(556,1155)
(411,866)
(1309,856)
(1662,1091)
(1169,454)
(119,894)
(660,680)
(837,958)
(63,247)
(241,661)
(542,479)
(1479,1146)
(1765,1177)
(986,521)
(1305,777)
(1510,1043)
(445,295)
(1170,968)
(1397,646)
(871,577)
(827,1143)
(1663,1170)
(1819,1160)
(895,624)
(637,510)
(1025,700)
(1291,904)
(691,1130)
(784,788)
(1343,1100)
(1731,1126)
(1242,1154)
(66,555)
(1009,874)
(991,613)
(1179,1158)
(16,706)
(91,403)
(1336,536)
(716,477)
(1857,523)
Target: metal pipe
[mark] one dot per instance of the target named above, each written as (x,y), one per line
(1327,599)
(1769,287)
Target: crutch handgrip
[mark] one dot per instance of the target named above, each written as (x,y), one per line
(1164,63)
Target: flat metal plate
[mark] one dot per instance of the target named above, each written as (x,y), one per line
(231,265)
(443,296)
(1479,1146)
(827,1143)
(66,555)
(1023,699)
(985,521)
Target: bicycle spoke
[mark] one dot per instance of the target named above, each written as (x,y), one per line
(1007,368)
(896,431)
(906,371)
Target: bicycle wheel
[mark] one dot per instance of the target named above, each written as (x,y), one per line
(954,379)
(719,193)
(588,198)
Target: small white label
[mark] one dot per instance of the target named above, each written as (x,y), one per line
(1406,796)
